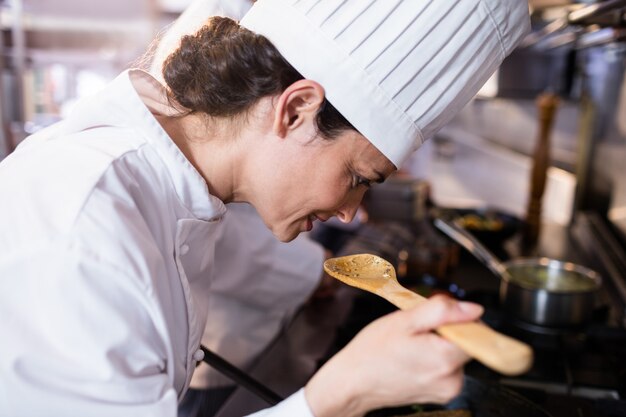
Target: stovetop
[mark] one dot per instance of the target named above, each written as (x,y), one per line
(577,372)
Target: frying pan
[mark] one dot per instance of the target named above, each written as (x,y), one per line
(489,225)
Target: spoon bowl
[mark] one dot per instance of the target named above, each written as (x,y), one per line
(376,275)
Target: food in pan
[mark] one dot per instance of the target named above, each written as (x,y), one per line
(485,222)
(560,280)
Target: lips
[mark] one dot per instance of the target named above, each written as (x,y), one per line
(309,223)
(310,219)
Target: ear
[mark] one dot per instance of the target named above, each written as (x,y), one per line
(299,103)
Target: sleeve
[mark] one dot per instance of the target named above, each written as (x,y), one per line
(295,405)
(80,338)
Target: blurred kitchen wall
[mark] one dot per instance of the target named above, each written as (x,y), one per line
(53,52)
(484,156)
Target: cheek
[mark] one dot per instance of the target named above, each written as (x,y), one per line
(332,190)
(341,197)
(332,198)
(330,184)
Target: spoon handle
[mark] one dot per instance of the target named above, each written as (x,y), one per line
(494,350)
(401,297)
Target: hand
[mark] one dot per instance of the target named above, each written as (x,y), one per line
(395,360)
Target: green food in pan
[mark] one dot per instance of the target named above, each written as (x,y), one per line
(541,277)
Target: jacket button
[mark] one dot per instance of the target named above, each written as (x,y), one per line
(184,249)
(198,355)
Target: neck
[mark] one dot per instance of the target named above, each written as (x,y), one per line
(219,149)
(210,147)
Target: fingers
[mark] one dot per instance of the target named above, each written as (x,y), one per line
(419,365)
(440,310)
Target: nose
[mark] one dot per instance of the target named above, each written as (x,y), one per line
(347,211)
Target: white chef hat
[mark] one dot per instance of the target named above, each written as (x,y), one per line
(398,70)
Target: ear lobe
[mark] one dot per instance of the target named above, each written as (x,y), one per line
(299,103)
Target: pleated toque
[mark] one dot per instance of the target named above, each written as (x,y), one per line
(398,70)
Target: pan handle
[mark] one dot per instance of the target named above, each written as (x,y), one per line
(472,244)
(240,377)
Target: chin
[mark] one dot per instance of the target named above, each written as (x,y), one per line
(285,235)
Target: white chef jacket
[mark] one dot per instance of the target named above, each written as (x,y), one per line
(258,284)
(107,237)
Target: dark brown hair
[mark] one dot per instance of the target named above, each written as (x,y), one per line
(224,69)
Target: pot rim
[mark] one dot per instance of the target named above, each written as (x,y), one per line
(553,264)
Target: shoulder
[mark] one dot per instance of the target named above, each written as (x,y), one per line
(97,177)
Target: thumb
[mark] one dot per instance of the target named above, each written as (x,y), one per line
(440,310)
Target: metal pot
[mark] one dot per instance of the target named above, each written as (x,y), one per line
(548,292)
(540,291)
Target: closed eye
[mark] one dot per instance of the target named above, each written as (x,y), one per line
(362,181)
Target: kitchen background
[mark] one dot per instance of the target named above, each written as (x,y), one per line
(53,52)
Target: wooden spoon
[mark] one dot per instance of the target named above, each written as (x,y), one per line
(374,274)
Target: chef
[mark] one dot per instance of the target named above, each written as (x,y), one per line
(109,220)
(249,260)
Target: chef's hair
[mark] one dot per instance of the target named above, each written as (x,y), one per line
(224,69)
